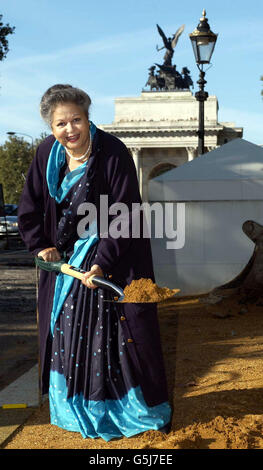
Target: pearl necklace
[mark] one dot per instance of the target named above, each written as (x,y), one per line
(84,155)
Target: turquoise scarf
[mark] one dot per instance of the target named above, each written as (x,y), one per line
(81,247)
(56,160)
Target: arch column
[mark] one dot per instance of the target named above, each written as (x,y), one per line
(192,153)
(210,148)
(136,154)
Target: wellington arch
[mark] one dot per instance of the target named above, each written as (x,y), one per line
(160,129)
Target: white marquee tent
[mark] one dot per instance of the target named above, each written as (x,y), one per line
(219,190)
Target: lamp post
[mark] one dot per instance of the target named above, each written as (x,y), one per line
(203,41)
(27,135)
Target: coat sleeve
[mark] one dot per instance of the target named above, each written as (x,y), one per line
(31,209)
(122,187)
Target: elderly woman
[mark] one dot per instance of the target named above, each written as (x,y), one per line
(101,362)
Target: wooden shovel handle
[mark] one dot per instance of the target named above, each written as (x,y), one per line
(72,271)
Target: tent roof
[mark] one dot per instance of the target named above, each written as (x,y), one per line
(232,171)
(236,159)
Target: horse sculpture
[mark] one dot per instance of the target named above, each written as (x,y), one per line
(167,77)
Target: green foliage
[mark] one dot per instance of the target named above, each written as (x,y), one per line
(5,30)
(15,157)
(40,139)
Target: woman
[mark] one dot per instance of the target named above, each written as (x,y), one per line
(101,362)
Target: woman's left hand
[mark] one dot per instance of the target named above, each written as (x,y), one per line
(94,271)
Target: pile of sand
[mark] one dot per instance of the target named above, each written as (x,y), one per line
(145,290)
(213,357)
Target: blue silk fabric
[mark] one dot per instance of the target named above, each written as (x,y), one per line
(93,389)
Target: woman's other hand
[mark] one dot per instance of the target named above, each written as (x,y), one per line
(94,271)
(50,254)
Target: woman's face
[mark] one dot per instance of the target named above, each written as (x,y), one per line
(70,126)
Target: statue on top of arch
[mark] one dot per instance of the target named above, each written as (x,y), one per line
(167,77)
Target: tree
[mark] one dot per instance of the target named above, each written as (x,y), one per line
(40,139)
(5,30)
(15,157)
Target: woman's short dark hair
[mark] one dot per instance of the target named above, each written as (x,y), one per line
(58,94)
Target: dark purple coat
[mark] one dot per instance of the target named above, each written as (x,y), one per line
(125,259)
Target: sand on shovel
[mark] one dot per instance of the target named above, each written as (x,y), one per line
(145,290)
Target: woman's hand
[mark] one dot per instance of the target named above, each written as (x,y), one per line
(50,254)
(94,271)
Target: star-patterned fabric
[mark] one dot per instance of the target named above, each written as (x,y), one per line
(92,388)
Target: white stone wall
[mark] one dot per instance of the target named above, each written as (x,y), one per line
(163,106)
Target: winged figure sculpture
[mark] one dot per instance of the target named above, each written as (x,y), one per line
(169,44)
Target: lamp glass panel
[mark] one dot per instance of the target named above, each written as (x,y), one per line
(203,49)
(206,51)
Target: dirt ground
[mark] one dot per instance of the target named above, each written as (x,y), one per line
(213,357)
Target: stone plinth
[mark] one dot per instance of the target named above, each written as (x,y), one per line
(166,106)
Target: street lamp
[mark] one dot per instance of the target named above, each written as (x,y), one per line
(203,41)
(27,135)
(21,133)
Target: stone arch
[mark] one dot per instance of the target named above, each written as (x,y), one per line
(159,169)
(153,173)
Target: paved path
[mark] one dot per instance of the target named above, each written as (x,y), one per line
(15,258)
(25,389)
(24,392)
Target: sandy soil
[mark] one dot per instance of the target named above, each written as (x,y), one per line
(213,355)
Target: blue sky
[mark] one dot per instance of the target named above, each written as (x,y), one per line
(106,48)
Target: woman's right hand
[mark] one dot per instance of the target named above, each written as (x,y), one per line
(96,271)
(50,254)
